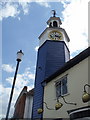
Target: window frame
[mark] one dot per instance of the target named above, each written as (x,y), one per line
(60,81)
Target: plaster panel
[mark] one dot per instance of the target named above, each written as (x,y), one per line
(77,78)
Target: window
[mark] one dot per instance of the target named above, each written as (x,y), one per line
(61,87)
(55,24)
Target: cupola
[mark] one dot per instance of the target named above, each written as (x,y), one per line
(54,21)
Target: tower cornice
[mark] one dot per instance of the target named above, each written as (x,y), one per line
(54,28)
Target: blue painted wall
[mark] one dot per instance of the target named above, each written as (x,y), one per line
(51,56)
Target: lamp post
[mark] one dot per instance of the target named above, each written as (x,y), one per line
(19,58)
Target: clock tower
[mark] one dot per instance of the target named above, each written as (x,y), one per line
(53,52)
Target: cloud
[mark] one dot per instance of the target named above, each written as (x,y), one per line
(43,3)
(11,8)
(75,22)
(3,102)
(8,68)
(25,7)
(8,10)
(24,79)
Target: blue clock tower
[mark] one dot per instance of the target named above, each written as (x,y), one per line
(53,52)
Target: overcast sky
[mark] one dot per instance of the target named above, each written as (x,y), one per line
(21,23)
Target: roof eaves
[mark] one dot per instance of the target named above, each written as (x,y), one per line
(24,91)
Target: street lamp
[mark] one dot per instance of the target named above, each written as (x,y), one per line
(86,95)
(40,110)
(19,58)
(58,105)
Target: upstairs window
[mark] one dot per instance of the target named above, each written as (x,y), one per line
(55,24)
(61,87)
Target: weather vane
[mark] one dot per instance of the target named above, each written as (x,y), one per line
(54,13)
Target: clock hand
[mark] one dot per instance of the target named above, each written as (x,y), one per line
(57,36)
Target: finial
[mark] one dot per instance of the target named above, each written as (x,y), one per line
(54,13)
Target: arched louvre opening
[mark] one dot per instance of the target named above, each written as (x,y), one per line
(55,24)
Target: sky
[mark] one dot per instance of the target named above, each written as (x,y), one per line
(21,23)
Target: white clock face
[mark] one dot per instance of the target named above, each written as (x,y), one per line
(55,35)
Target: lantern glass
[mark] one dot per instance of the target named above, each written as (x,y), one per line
(19,55)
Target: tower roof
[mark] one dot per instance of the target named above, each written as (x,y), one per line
(54,18)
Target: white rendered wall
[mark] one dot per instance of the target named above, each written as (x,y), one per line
(77,78)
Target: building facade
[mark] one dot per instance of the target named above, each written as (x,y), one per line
(69,82)
(23,105)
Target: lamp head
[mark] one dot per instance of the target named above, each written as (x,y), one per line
(40,110)
(85,97)
(19,55)
(58,105)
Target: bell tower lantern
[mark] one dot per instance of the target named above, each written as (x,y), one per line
(54,21)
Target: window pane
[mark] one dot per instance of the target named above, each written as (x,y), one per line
(61,87)
(64,86)
(58,89)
